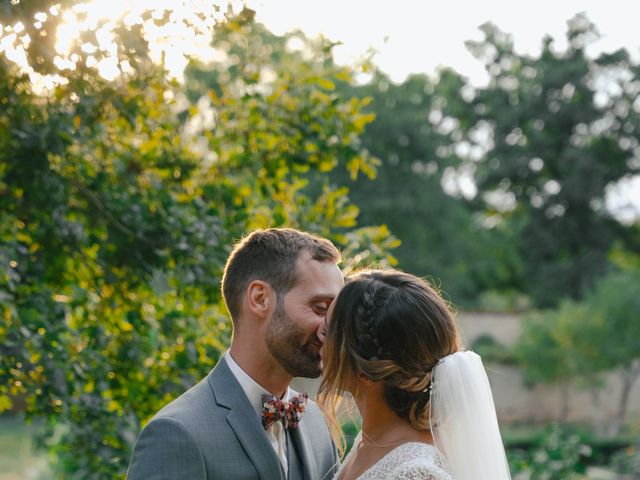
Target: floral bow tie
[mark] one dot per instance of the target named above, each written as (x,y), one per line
(274,409)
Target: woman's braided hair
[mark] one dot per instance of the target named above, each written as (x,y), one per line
(391,327)
(366,323)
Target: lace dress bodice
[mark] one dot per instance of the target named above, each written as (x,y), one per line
(409,461)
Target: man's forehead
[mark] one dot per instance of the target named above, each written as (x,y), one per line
(319,278)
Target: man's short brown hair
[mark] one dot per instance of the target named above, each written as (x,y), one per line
(270,255)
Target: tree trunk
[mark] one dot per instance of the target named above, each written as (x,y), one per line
(598,418)
(564,410)
(629,376)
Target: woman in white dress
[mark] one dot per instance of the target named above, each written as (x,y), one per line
(426,406)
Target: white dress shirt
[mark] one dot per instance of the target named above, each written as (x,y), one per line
(254,391)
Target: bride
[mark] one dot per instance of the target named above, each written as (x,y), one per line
(426,406)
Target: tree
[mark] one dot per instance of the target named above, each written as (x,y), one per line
(441,235)
(580,342)
(614,331)
(493,351)
(554,139)
(120,201)
(544,356)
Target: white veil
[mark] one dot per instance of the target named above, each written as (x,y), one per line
(463,419)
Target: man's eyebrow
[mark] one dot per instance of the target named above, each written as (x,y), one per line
(323,297)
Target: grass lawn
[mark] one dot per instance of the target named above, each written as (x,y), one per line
(18,458)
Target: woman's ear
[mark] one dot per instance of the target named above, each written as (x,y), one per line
(260,298)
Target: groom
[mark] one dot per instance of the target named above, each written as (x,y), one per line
(277,284)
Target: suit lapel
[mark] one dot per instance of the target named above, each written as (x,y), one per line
(254,440)
(300,437)
(241,418)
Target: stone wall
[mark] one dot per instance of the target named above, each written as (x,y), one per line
(542,403)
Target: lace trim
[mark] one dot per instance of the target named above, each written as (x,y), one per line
(410,461)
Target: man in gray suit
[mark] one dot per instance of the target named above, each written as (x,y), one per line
(277,284)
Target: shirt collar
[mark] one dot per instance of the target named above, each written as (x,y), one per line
(252,389)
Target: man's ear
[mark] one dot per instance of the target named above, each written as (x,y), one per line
(260,298)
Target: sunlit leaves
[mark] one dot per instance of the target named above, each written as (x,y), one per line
(120,201)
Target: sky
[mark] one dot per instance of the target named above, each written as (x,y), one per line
(409,36)
(416,36)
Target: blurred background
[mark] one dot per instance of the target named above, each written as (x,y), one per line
(492,148)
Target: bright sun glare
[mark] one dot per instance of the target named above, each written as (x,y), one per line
(185,31)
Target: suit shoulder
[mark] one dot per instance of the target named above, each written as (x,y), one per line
(191,407)
(166,449)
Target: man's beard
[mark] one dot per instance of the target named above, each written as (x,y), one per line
(287,343)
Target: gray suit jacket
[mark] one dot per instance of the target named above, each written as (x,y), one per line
(212,432)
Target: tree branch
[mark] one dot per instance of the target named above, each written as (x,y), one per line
(93,198)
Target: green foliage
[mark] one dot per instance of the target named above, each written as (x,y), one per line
(579,342)
(541,352)
(617,330)
(543,141)
(627,462)
(556,140)
(538,449)
(120,202)
(441,237)
(559,455)
(493,351)
(545,350)
(612,334)
(350,431)
(506,300)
